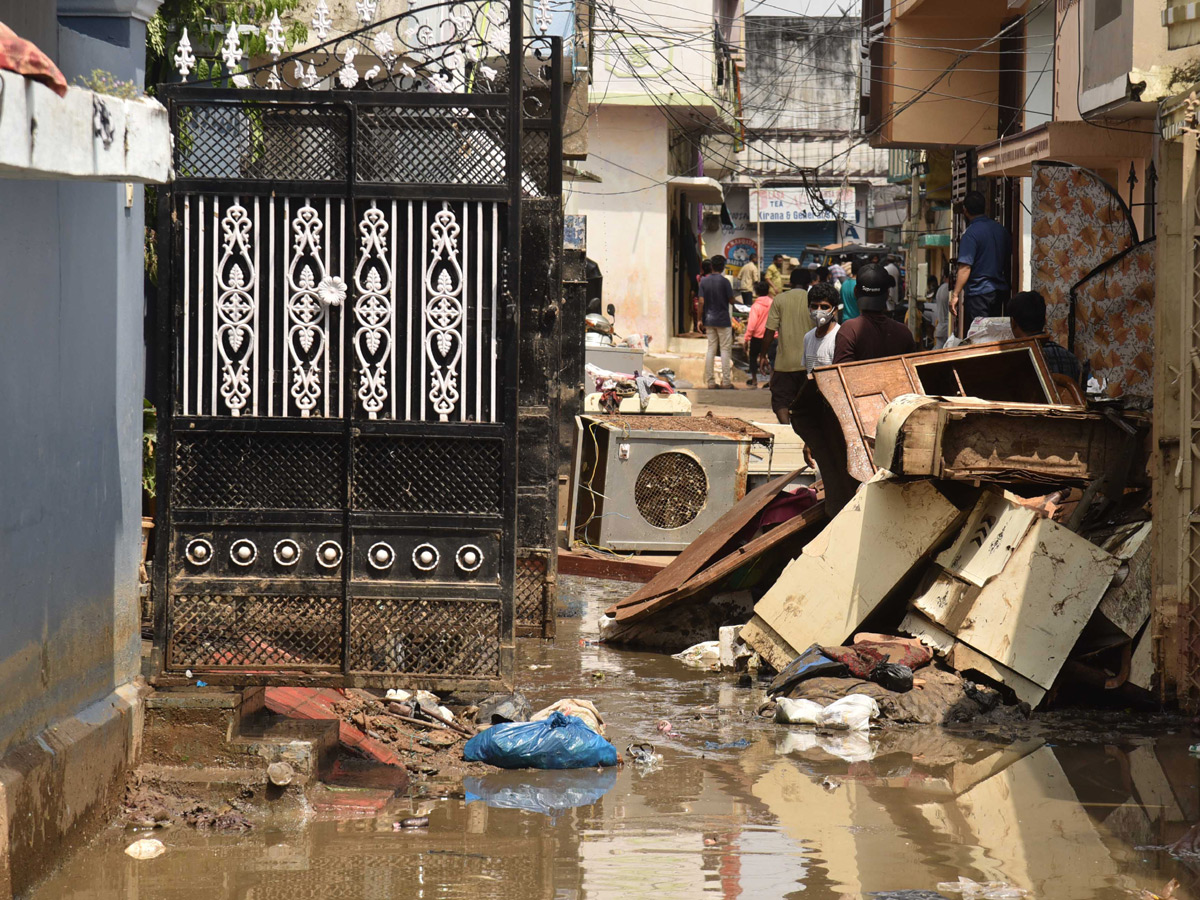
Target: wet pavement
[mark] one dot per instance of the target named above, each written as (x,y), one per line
(739,807)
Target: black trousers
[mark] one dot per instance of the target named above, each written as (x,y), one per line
(753,351)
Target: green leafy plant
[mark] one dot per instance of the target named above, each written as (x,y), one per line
(149,446)
(103,82)
(207,22)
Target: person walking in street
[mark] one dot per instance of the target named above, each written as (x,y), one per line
(774,275)
(819,342)
(756,325)
(788,320)
(1027,315)
(984,257)
(874,334)
(749,278)
(716,293)
(941,309)
(849,302)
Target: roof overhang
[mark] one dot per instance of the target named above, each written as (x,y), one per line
(698,189)
(1078,143)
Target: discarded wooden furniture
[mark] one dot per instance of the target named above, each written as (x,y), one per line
(1004,371)
(967,439)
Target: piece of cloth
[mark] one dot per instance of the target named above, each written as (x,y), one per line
(873,335)
(818,350)
(1060,360)
(812,663)
(941,315)
(862,657)
(719,340)
(756,322)
(985,246)
(774,278)
(23,57)
(785,386)
(788,318)
(748,276)
(989,305)
(849,301)
(716,293)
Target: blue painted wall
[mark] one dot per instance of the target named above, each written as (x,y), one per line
(71,371)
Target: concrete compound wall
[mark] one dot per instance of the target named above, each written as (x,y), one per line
(628,217)
(71,387)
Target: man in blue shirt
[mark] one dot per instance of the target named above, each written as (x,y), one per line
(984,257)
(716,293)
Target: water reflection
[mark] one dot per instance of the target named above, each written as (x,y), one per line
(792,814)
(543,792)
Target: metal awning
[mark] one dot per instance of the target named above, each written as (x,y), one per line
(699,189)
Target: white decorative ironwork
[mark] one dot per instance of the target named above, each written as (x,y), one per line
(384,46)
(198,552)
(373,310)
(366,9)
(444,310)
(372,72)
(321,20)
(306,314)
(332,290)
(329,554)
(348,74)
(275,39)
(185,59)
(381,555)
(287,552)
(469,557)
(542,19)
(273,80)
(234,338)
(231,52)
(241,81)
(243,552)
(425,557)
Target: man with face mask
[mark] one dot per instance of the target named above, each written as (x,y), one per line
(819,342)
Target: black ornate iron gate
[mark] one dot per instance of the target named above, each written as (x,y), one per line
(337,459)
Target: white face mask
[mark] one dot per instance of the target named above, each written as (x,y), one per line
(821,317)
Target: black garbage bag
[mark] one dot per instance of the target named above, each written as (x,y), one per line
(809,664)
(504,708)
(892,676)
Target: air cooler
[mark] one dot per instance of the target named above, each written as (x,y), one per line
(655,483)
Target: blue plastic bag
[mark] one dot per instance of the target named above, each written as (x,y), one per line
(559,742)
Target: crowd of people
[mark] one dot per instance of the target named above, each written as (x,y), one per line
(825,315)
(837,314)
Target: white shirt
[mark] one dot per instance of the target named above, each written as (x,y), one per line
(894,291)
(818,351)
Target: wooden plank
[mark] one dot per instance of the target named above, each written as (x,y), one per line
(767,642)
(855,562)
(612,568)
(790,533)
(1030,615)
(1126,604)
(712,544)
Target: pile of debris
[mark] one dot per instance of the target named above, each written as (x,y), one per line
(1007,532)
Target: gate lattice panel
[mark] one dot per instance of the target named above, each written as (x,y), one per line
(338,456)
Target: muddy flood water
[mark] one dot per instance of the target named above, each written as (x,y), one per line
(739,807)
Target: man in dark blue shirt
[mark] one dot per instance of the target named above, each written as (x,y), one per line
(716,293)
(984,257)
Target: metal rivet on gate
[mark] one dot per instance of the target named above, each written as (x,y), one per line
(287,552)
(469,557)
(329,554)
(425,557)
(381,555)
(243,552)
(198,552)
